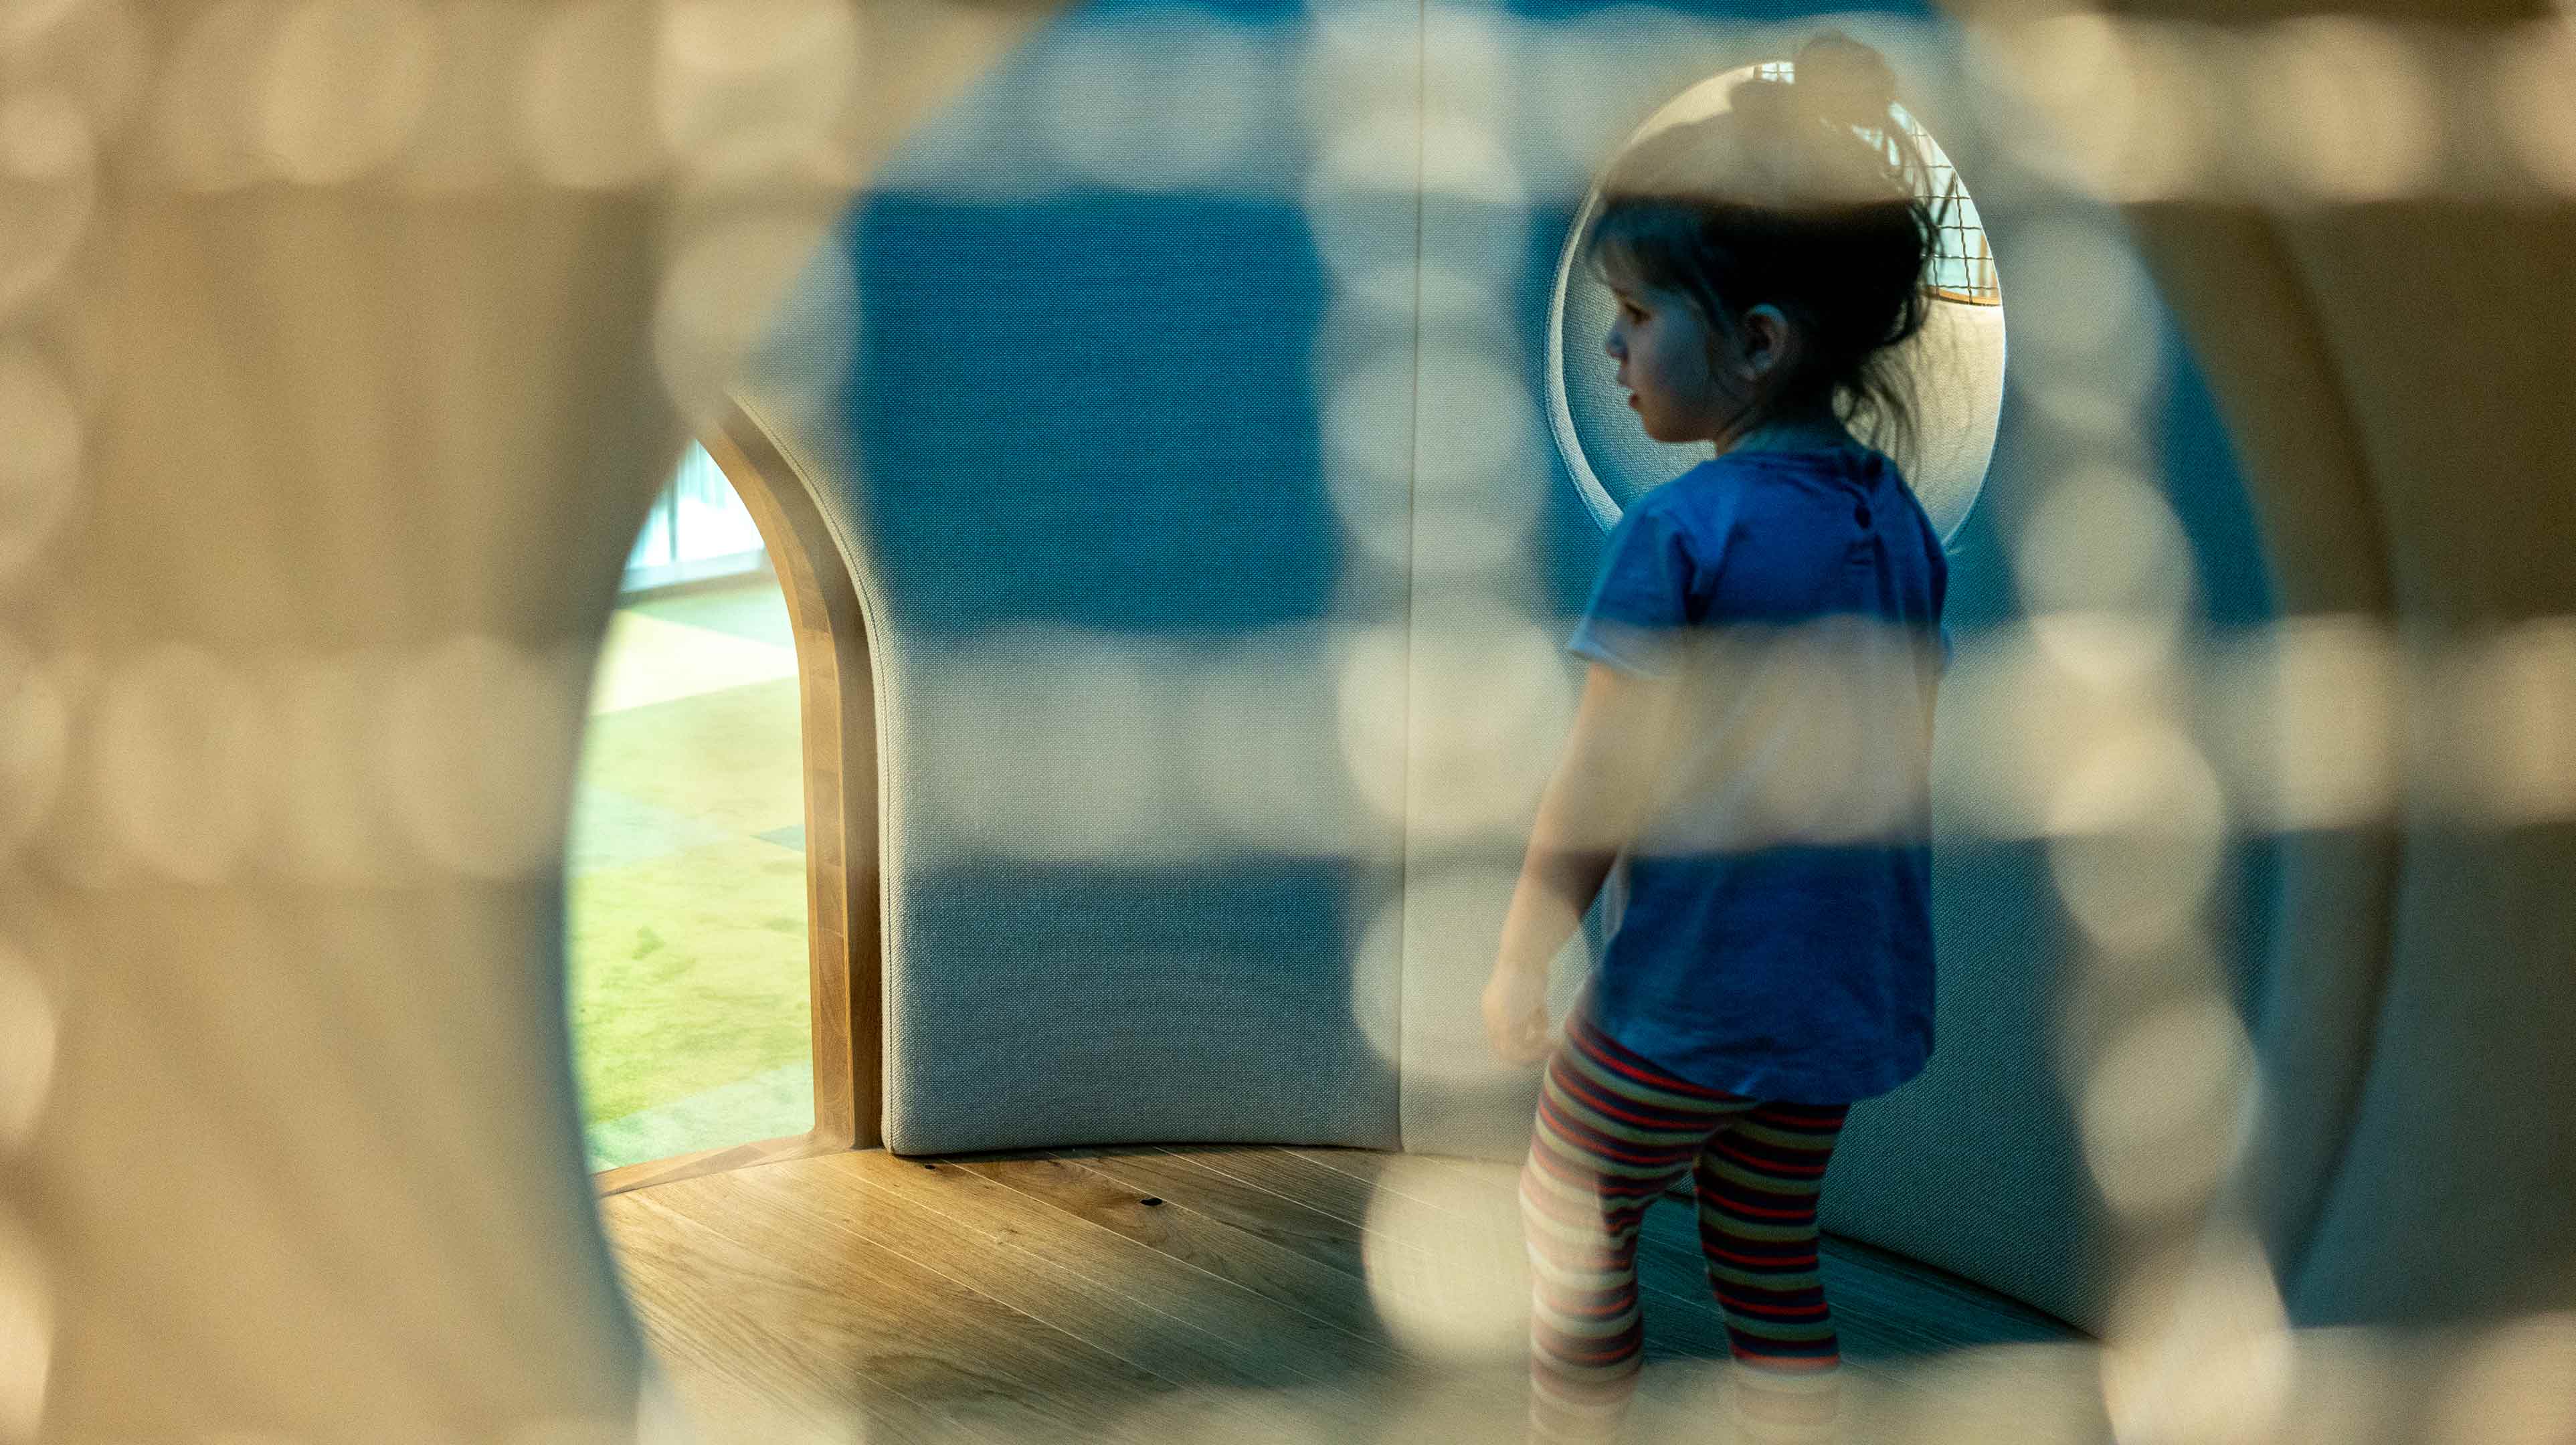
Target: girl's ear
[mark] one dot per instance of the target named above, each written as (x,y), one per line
(1764,335)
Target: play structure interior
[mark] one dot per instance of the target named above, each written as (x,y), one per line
(1181,435)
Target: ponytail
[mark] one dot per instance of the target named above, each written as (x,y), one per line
(1805,194)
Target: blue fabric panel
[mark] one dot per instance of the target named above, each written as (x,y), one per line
(1090,409)
(1087,409)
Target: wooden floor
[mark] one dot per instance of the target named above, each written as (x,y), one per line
(1171,1295)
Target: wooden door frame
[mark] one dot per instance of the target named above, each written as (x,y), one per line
(836,688)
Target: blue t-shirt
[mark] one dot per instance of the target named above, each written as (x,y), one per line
(1777,935)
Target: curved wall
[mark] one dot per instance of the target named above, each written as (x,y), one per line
(303,1157)
(1102,442)
(2424,979)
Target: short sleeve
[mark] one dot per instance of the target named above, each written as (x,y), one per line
(1641,600)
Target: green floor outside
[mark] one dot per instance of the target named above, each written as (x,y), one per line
(686,935)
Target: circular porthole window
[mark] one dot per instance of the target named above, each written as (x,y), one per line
(1956,362)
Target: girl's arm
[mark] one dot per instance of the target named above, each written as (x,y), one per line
(1594,804)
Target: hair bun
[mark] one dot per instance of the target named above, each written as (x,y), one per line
(1838,79)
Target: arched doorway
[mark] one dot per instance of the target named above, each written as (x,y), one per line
(836,721)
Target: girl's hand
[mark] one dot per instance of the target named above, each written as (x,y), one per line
(1516,1015)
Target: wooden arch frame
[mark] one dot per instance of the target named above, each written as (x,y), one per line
(836,690)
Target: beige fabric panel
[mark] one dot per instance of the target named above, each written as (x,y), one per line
(2395,375)
(2252,327)
(2454,333)
(2396,379)
(361,477)
(335,353)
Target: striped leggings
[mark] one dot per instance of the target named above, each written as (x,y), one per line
(1613,1134)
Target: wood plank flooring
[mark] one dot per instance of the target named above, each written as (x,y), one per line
(1235,1294)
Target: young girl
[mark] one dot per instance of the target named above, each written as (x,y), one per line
(1754,734)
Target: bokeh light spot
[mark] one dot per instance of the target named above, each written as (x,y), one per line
(48,190)
(41,452)
(2085,309)
(722,290)
(345,84)
(26,1332)
(2161,1108)
(2313,706)
(2104,540)
(586,113)
(478,754)
(1372,685)
(1155,99)
(2535,106)
(2349,108)
(2200,1351)
(181,735)
(35,741)
(2137,830)
(29,1029)
(330,719)
(1447,1268)
(1490,699)
(206,113)
(2521,754)
(755,87)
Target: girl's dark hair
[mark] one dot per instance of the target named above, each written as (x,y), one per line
(1782,199)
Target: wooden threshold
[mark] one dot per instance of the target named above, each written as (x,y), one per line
(713,1161)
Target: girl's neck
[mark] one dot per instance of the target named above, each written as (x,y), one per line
(1805,432)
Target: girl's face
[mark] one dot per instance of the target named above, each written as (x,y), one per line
(1664,353)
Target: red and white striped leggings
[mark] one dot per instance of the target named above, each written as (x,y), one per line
(1613,1134)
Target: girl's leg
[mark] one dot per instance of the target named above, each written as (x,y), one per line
(1758,1182)
(1612,1134)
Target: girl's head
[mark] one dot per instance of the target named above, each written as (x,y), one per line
(1766,258)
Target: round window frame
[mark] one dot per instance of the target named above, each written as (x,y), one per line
(1597,500)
